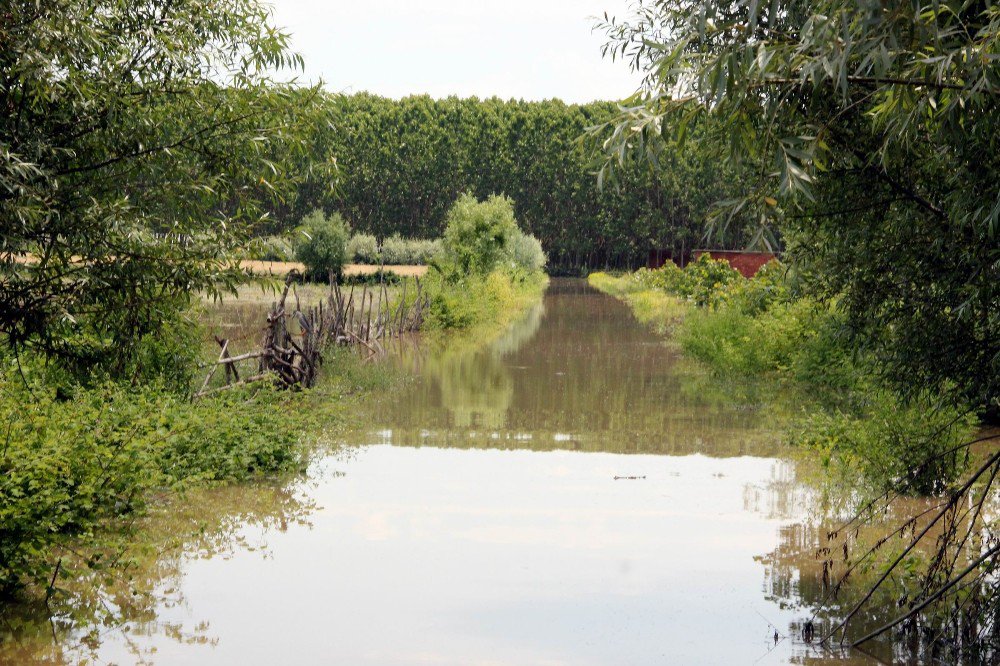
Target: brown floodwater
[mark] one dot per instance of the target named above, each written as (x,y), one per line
(574,492)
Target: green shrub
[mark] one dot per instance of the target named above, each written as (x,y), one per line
(478,234)
(670,278)
(363,249)
(397,251)
(706,278)
(754,296)
(426,251)
(77,465)
(475,300)
(526,252)
(911,446)
(722,339)
(734,341)
(322,245)
(273,248)
(703,280)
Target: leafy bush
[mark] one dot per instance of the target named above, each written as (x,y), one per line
(526,252)
(478,234)
(670,278)
(912,446)
(274,248)
(703,280)
(322,246)
(795,338)
(426,251)
(754,296)
(395,250)
(363,249)
(474,300)
(75,465)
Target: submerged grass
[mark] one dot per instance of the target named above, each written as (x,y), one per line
(653,307)
(758,328)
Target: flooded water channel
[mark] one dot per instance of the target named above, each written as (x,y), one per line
(574,493)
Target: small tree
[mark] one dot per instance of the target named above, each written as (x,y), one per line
(527,253)
(323,245)
(479,233)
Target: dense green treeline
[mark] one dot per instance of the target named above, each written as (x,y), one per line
(402,163)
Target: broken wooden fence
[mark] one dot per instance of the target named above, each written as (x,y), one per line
(291,351)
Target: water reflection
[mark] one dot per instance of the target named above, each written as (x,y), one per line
(120,606)
(579,373)
(481,517)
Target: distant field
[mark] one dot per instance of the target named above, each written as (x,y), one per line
(283,267)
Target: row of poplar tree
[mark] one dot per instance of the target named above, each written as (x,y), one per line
(401,163)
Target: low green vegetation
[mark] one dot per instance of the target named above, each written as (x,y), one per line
(394,250)
(764,328)
(401,251)
(79,462)
(359,248)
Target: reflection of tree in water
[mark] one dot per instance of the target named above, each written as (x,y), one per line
(520,333)
(584,375)
(476,386)
(120,602)
(826,566)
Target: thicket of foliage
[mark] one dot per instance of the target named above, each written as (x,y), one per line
(478,235)
(321,245)
(402,164)
(79,464)
(873,129)
(114,125)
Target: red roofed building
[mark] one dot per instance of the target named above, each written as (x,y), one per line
(747,263)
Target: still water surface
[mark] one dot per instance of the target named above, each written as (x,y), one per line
(481,517)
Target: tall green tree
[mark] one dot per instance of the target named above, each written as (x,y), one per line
(137,140)
(872,128)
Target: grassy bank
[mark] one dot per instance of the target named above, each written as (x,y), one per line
(763,328)
(488,303)
(81,464)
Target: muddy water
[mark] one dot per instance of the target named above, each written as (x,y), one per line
(574,493)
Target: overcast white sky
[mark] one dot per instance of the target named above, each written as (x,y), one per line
(530,49)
